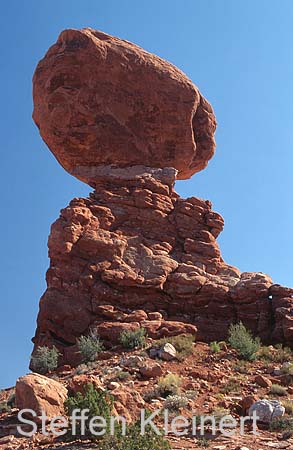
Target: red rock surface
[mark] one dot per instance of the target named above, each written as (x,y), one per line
(133,249)
(134,253)
(102,100)
(39,393)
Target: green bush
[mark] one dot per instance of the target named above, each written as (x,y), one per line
(175,402)
(122,375)
(4,407)
(133,339)
(215,347)
(277,354)
(134,440)
(241,340)
(45,360)
(203,442)
(169,385)
(99,403)
(232,385)
(11,400)
(288,405)
(184,344)
(287,368)
(89,347)
(277,389)
(282,424)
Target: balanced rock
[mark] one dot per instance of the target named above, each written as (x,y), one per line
(100,100)
(134,254)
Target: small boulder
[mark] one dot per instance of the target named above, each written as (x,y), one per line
(79,382)
(131,361)
(263,381)
(247,402)
(267,410)
(167,352)
(113,385)
(136,316)
(151,369)
(39,393)
(155,316)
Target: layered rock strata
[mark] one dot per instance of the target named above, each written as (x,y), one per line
(134,254)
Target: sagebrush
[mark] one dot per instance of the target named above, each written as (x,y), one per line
(242,340)
(89,346)
(169,385)
(45,359)
(99,403)
(133,339)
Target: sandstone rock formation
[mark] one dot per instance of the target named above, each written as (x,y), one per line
(134,253)
(40,394)
(100,100)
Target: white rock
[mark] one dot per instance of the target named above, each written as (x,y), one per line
(131,361)
(167,352)
(113,385)
(267,410)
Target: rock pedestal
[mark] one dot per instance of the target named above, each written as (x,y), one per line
(134,253)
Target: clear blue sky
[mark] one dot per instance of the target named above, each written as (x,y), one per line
(239,53)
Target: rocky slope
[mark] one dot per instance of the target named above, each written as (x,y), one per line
(209,383)
(135,254)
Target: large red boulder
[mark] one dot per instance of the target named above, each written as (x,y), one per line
(100,100)
(39,393)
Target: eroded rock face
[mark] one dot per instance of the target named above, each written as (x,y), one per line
(100,100)
(135,254)
(39,393)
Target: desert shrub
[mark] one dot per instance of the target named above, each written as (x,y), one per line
(169,385)
(175,402)
(242,367)
(215,347)
(220,412)
(281,424)
(184,344)
(11,400)
(99,403)
(242,340)
(81,369)
(4,407)
(277,389)
(287,368)
(133,339)
(232,385)
(45,360)
(288,405)
(277,354)
(191,394)
(150,395)
(135,440)
(203,442)
(89,346)
(122,375)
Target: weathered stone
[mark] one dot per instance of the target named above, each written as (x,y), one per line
(267,410)
(263,381)
(167,352)
(78,383)
(39,393)
(150,369)
(134,254)
(101,100)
